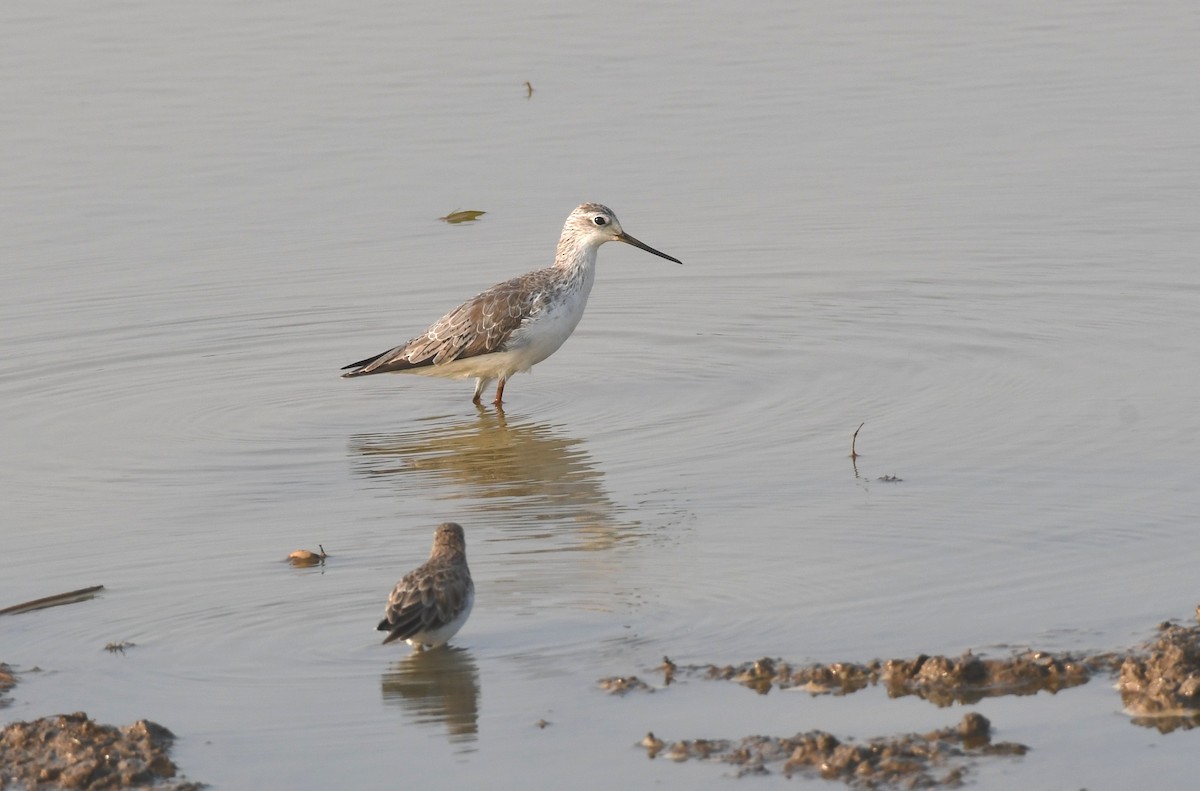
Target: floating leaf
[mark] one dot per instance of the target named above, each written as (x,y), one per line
(456,216)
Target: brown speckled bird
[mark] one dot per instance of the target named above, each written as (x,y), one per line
(431,603)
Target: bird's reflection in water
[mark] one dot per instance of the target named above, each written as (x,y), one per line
(437,686)
(518,474)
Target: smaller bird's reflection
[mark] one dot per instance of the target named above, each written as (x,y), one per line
(440,685)
(518,472)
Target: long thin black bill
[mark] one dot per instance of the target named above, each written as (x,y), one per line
(630,240)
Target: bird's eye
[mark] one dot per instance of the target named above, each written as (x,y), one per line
(600,219)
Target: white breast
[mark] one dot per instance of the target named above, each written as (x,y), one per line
(547,330)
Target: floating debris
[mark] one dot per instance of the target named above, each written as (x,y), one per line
(889,479)
(942,757)
(72,751)
(455,217)
(652,743)
(306,557)
(119,648)
(619,685)
(528,89)
(83,594)
(542,724)
(668,668)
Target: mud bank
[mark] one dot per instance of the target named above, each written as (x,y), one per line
(912,760)
(72,751)
(1159,683)
(941,680)
(1160,686)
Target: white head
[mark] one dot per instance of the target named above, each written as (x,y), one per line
(590,226)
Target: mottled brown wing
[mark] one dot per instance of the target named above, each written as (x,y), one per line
(425,599)
(481,325)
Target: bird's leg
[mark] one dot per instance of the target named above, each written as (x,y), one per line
(479,383)
(500,392)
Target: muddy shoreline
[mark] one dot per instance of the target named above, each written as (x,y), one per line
(1158,681)
(71,751)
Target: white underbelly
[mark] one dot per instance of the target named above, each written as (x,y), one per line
(435,637)
(539,339)
(528,346)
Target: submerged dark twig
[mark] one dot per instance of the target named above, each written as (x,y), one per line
(83,594)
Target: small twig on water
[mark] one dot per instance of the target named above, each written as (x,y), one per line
(83,594)
(854,439)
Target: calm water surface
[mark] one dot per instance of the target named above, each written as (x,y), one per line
(973,229)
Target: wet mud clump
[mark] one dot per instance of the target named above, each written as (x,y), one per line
(939,679)
(619,685)
(942,757)
(7,682)
(969,679)
(1160,687)
(72,751)
(839,678)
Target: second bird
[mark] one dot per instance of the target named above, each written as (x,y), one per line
(431,603)
(515,324)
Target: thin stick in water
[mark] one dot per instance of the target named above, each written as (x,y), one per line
(854,439)
(83,594)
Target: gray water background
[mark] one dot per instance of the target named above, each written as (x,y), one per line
(973,227)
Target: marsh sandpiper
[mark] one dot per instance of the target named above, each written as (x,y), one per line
(515,324)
